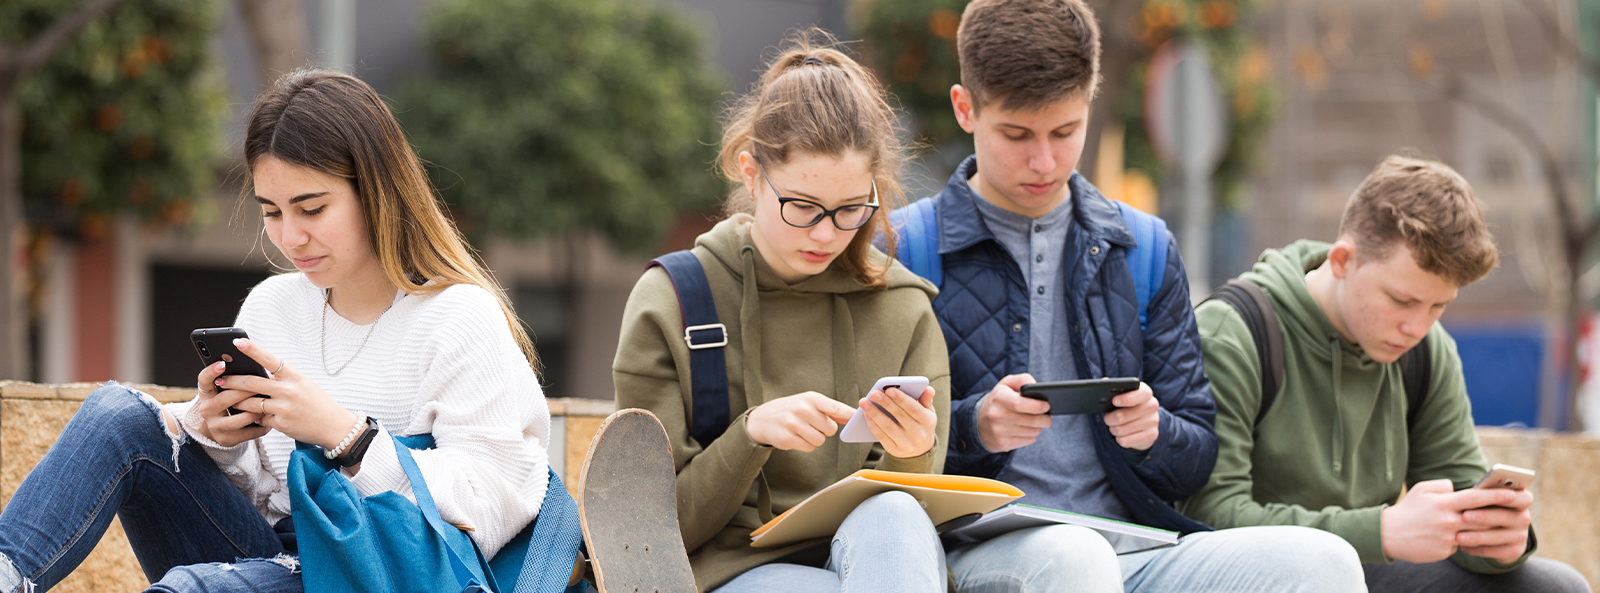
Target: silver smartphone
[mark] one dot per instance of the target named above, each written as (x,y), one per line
(1506,476)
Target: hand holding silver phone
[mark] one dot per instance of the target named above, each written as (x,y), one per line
(1507,476)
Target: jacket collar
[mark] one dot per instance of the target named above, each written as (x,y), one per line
(961,226)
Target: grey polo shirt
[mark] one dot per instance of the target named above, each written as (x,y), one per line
(1061,469)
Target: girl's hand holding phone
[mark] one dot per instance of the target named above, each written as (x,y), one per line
(907,429)
(802,421)
(294,405)
(216,422)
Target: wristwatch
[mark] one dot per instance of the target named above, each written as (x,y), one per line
(358,449)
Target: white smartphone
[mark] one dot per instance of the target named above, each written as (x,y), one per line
(1506,476)
(856,431)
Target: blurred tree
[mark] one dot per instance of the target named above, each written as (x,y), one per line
(550,116)
(912,44)
(104,109)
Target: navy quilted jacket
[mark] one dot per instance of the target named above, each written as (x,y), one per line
(983,309)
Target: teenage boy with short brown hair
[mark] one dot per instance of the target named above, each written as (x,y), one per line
(1037,284)
(1339,442)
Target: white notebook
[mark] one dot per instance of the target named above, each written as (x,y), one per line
(1125,538)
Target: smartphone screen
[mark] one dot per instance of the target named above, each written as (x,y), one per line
(1090,396)
(214,344)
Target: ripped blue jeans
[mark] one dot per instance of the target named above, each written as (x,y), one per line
(189,527)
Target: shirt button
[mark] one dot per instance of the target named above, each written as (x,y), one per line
(1041,290)
(1038,228)
(1016,327)
(1038,258)
(1094,250)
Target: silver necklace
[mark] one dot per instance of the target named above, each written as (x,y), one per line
(324,335)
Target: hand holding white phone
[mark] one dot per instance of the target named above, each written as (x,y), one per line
(856,430)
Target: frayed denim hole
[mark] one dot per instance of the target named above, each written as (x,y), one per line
(178,440)
(11,579)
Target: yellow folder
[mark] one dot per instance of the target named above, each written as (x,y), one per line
(943,497)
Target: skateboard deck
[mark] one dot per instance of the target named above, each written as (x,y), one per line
(628,504)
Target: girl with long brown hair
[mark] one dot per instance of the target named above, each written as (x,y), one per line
(389,327)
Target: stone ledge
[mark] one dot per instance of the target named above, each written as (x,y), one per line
(1564,511)
(578,406)
(81,391)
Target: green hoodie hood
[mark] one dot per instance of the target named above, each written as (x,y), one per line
(1335,448)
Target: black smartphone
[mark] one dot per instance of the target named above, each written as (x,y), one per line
(216,343)
(1089,396)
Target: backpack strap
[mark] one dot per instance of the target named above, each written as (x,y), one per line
(1148,258)
(917,244)
(1253,305)
(1416,371)
(708,371)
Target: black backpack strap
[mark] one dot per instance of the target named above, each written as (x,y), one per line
(708,371)
(1416,371)
(1253,305)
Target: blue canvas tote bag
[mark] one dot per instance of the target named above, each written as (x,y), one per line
(384,542)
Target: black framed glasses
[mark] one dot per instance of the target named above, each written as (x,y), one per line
(803,213)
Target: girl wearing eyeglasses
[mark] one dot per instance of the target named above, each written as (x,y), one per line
(814,315)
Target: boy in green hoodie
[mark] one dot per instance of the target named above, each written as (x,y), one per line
(1335,450)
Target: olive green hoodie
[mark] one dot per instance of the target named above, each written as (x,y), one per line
(828,334)
(1334,449)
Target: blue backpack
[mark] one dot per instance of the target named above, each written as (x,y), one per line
(917,230)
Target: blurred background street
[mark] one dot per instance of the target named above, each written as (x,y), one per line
(573,142)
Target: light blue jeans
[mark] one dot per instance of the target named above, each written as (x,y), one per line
(1063,558)
(886,545)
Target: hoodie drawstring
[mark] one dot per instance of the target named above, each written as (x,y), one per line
(750,348)
(1338,414)
(844,381)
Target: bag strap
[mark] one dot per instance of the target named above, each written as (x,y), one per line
(917,244)
(419,489)
(1147,261)
(706,336)
(1416,372)
(1253,305)
(552,545)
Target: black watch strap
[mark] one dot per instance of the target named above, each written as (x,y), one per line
(358,449)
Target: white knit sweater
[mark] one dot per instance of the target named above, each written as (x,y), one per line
(444,364)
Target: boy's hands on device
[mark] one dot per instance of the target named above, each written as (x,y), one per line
(905,424)
(1017,409)
(1008,421)
(239,407)
(1500,532)
(1432,520)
